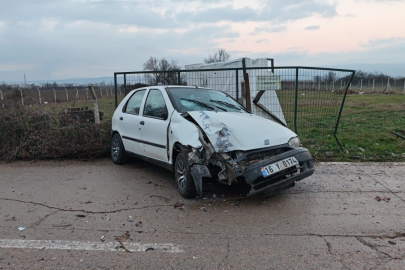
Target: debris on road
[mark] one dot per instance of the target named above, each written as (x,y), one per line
(123,237)
(80,216)
(138,224)
(392,242)
(130,219)
(179,205)
(385,199)
(204,209)
(149,249)
(21,228)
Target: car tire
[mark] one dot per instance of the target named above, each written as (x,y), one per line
(184,180)
(117,150)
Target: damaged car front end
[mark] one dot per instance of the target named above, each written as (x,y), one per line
(233,146)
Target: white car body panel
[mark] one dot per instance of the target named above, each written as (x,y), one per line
(230,131)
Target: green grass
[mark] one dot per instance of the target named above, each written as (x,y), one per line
(364,128)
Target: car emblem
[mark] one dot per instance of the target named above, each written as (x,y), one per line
(266,142)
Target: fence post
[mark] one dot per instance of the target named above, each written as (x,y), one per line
(77,94)
(2,98)
(101,92)
(106,91)
(95,104)
(39,95)
(54,94)
(340,112)
(178,78)
(361,85)
(67,95)
(87,93)
(125,83)
(247,86)
(22,99)
(237,84)
(296,100)
(115,89)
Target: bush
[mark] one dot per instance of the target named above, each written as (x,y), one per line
(28,133)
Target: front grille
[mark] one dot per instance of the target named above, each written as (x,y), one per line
(257,156)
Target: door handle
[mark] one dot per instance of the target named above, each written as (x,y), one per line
(142,123)
(121,118)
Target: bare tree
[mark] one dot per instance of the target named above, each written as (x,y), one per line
(162,71)
(219,56)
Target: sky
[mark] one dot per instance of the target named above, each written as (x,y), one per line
(61,39)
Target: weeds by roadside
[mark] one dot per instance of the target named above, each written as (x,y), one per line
(39,133)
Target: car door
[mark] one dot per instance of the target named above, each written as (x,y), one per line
(129,121)
(153,125)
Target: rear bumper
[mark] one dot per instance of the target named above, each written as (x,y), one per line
(282,179)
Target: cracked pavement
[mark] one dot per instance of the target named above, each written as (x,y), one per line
(328,221)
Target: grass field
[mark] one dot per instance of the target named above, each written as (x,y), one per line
(364,129)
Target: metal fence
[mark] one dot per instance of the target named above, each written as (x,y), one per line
(308,100)
(38,96)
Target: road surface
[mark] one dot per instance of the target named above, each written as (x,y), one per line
(97,215)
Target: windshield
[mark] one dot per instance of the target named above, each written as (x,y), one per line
(199,99)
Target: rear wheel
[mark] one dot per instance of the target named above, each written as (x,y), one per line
(117,150)
(184,180)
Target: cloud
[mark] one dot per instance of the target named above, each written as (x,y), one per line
(49,39)
(270,29)
(379,43)
(263,40)
(312,27)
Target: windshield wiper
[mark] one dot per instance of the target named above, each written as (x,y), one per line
(226,104)
(203,104)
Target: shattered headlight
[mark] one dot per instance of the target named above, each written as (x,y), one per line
(294,142)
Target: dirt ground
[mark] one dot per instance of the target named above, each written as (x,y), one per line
(97,215)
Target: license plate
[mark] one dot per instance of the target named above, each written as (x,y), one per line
(279,166)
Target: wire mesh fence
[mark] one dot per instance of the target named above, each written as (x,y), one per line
(307,100)
(37,96)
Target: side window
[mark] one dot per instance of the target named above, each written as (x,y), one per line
(134,103)
(155,105)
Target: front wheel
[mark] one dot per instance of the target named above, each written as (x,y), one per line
(117,150)
(184,180)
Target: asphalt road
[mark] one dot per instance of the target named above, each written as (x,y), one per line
(97,215)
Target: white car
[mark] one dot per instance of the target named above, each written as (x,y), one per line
(200,132)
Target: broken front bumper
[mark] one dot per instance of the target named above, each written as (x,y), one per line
(282,179)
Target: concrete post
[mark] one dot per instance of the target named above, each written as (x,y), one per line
(77,94)
(39,96)
(67,95)
(2,98)
(54,94)
(373,85)
(95,104)
(22,98)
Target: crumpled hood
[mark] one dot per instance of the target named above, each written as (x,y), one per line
(229,131)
